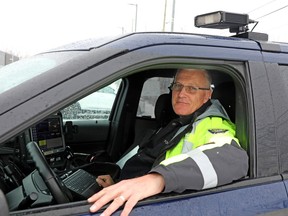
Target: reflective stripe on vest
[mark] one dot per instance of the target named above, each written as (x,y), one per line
(208,133)
(208,172)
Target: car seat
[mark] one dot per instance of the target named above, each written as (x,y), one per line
(164,113)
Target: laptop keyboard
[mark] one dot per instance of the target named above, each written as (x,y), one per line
(80,182)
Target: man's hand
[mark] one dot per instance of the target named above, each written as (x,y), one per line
(105,180)
(129,191)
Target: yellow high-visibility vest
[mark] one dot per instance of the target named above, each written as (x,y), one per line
(207,133)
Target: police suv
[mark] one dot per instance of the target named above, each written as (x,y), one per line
(48,137)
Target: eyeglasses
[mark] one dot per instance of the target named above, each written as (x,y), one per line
(188,89)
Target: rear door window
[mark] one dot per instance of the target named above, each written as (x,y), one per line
(152,88)
(97,105)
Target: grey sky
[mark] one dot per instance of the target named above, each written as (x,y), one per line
(32,26)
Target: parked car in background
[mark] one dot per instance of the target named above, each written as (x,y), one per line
(79,109)
(97,105)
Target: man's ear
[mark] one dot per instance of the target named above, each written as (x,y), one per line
(208,95)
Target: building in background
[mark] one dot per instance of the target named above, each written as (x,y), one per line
(6,58)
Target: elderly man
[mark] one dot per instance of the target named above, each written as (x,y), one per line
(201,153)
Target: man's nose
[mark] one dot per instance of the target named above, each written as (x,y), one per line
(182,91)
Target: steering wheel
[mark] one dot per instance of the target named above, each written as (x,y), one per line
(55,186)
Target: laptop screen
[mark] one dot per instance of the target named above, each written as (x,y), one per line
(48,134)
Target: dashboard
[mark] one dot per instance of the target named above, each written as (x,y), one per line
(16,162)
(37,161)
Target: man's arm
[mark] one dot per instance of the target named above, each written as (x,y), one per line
(127,191)
(207,166)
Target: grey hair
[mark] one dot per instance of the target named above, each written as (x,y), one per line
(206,74)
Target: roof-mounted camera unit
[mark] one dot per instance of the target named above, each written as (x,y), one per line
(237,23)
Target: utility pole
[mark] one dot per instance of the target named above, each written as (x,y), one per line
(173,15)
(164,19)
(136,16)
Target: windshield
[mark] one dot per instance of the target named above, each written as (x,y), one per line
(18,72)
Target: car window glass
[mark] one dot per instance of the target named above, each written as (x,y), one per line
(21,71)
(152,88)
(97,105)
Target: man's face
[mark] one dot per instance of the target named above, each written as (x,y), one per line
(185,103)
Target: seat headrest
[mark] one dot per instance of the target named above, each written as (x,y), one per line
(164,112)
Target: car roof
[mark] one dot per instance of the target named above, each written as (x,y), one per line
(142,39)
